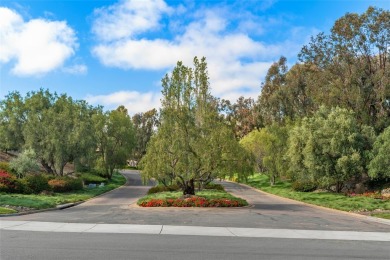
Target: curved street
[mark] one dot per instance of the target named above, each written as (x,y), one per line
(112,226)
(266,211)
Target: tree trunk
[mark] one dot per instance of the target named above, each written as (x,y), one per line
(272,180)
(189,187)
(45,165)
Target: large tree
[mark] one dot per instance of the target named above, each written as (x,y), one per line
(193,144)
(12,119)
(241,115)
(268,146)
(351,66)
(115,136)
(58,129)
(379,166)
(330,148)
(145,125)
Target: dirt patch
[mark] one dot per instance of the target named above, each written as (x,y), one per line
(6,157)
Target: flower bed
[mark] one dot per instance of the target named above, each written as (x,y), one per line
(369,194)
(194,201)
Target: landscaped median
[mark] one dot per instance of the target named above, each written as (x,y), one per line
(204,198)
(15,202)
(367,203)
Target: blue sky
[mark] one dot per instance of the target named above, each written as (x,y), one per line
(116,52)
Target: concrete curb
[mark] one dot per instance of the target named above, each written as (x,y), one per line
(369,218)
(192,231)
(62,206)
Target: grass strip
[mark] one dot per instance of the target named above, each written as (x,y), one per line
(325,199)
(7,211)
(381,215)
(38,201)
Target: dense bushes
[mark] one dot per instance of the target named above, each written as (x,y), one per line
(37,183)
(5,166)
(304,186)
(214,186)
(7,181)
(65,184)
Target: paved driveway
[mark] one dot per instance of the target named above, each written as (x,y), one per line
(119,207)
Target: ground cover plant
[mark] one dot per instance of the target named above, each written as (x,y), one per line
(355,203)
(50,200)
(204,198)
(7,210)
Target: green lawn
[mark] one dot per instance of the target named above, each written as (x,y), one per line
(47,201)
(326,199)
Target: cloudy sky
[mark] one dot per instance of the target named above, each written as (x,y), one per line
(116,52)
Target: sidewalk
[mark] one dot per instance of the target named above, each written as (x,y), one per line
(193,231)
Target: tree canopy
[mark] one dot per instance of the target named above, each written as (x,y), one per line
(192,144)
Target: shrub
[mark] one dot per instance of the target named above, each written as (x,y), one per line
(5,166)
(214,186)
(162,188)
(88,178)
(304,186)
(24,163)
(37,182)
(7,182)
(65,184)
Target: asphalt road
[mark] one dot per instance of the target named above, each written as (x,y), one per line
(276,229)
(41,245)
(119,207)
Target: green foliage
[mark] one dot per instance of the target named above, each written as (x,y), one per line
(65,184)
(242,115)
(24,163)
(192,144)
(304,186)
(144,125)
(162,188)
(7,210)
(12,110)
(37,183)
(214,186)
(325,199)
(330,148)
(379,166)
(350,67)
(5,166)
(268,146)
(92,178)
(115,136)
(44,201)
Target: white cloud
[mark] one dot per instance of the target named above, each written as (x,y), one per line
(237,63)
(78,69)
(36,46)
(128,18)
(134,101)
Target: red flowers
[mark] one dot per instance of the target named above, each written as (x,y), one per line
(7,181)
(192,202)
